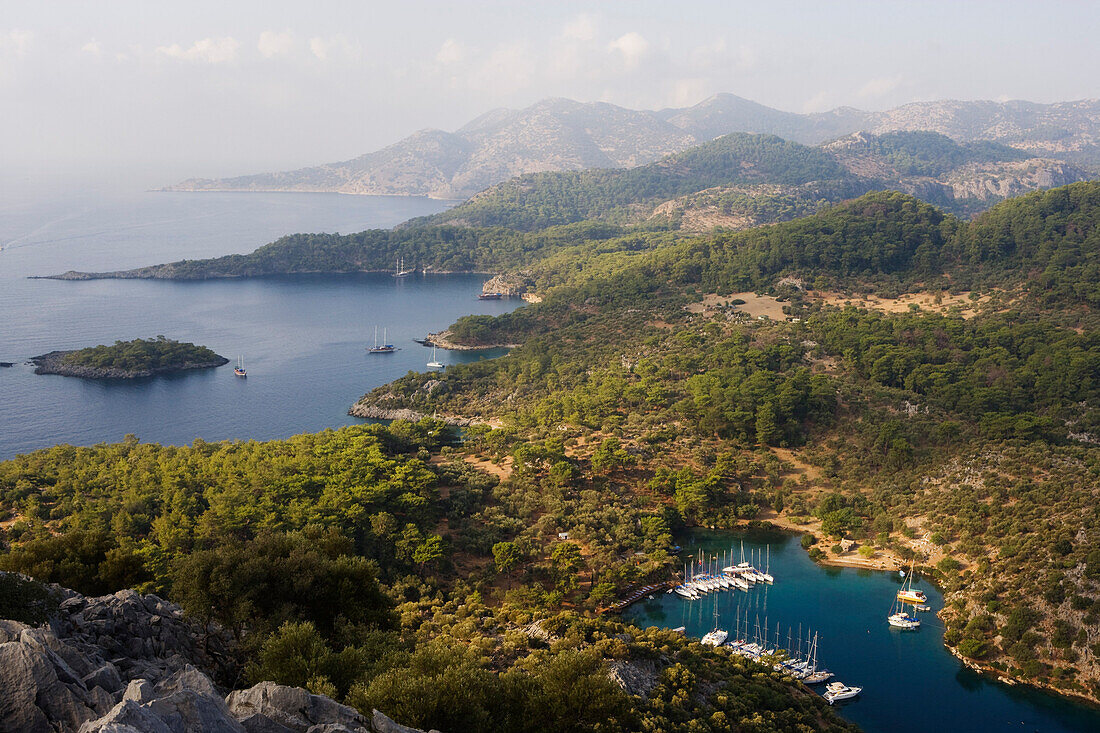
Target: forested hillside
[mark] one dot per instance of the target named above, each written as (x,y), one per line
(375,566)
(961,435)
(546,199)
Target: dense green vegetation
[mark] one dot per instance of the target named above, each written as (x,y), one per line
(24,600)
(546,199)
(975,435)
(1052,238)
(437,248)
(921,153)
(140,355)
(350,563)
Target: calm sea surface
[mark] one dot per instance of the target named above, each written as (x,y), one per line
(911,684)
(303,339)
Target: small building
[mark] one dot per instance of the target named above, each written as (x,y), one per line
(563,535)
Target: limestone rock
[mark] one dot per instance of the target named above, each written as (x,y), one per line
(635,677)
(139,691)
(186,678)
(380,723)
(128,663)
(292,707)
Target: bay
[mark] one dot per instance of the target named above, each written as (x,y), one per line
(911,684)
(303,338)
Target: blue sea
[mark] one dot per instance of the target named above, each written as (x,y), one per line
(303,339)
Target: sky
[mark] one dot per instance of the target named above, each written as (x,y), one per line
(147,93)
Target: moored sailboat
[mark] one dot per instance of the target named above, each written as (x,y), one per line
(900,618)
(907,594)
(384,348)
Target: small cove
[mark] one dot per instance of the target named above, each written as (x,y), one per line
(911,683)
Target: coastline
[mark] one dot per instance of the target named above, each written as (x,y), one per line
(988,670)
(373,412)
(442,340)
(891,562)
(53,363)
(152,272)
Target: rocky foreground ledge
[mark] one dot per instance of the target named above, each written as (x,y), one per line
(54,363)
(131,663)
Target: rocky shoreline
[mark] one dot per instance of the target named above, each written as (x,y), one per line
(54,363)
(170,272)
(374,412)
(443,341)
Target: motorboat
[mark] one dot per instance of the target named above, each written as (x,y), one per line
(838,691)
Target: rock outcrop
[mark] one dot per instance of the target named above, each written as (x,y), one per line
(131,663)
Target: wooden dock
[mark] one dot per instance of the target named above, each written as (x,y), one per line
(636,595)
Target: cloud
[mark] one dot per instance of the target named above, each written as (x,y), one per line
(509,68)
(631,46)
(880,85)
(816,103)
(333,48)
(275,43)
(581,28)
(93,47)
(451,52)
(686,92)
(16,42)
(207,51)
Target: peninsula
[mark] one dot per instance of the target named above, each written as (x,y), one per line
(128,359)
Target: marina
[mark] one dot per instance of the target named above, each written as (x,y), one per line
(842,612)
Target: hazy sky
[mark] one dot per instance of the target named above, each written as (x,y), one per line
(151,92)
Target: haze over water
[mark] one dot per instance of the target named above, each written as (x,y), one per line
(303,338)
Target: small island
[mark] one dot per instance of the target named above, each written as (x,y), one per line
(128,359)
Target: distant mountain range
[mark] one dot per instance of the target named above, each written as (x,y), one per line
(562,135)
(742,180)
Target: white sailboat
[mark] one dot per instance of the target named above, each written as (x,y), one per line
(766,575)
(907,594)
(900,618)
(717,636)
(435,363)
(815,676)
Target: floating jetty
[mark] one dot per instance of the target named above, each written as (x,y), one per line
(636,595)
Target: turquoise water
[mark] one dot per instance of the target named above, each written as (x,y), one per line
(303,338)
(911,684)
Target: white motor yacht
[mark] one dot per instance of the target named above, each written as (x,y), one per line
(837,691)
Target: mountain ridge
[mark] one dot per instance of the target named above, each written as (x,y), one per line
(558,134)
